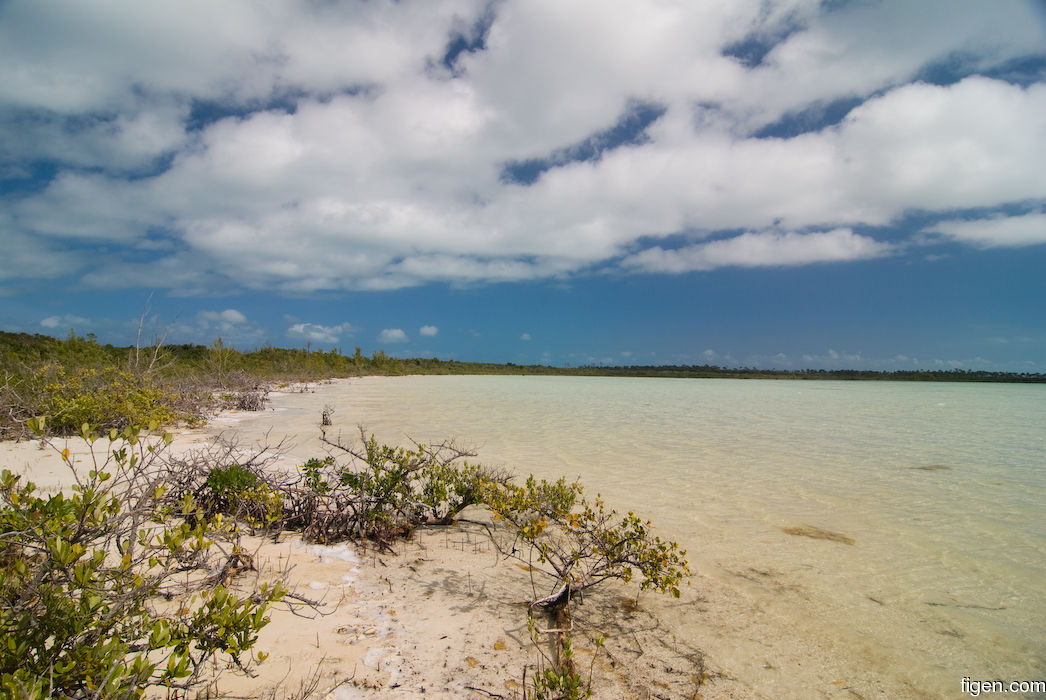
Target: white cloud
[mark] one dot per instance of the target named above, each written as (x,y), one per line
(393,335)
(972,144)
(428,330)
(761,250)
(525,336)
(30,257)
(230,325)
(91,207)
(66,320)
(75,58)
(318,333)
(227,317)
(123,143)
(845,52)
(1013,231)
(712,357)
(355,160)
(835,359)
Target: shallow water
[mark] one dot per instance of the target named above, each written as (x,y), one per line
(940,486)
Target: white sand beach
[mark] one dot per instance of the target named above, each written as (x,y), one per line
(443,616)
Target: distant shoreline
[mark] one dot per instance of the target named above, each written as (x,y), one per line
(715,372)
(312,364)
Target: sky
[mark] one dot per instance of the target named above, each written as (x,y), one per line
(760,183)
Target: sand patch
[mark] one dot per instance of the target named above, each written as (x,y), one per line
(444,617)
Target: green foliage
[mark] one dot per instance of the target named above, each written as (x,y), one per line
(406,487)
(383,491)
(237,491)
(80,578)
(579,544)
(104,396)
(383,482)
(576,544)
(231,480)
(313,471)
(108,398)
(445,489)
(557,679)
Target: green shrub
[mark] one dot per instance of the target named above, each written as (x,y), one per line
(314,470)
(558,679)
(387,491)
(105,397)
(81,578)
(237,491)
(382,492)
(383,484)
(580,544)
(445,489)
(576,545)
(231,480)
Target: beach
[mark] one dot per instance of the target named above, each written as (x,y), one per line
(444,616)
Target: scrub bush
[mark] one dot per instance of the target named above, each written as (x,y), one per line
(104,396)
(109,590)
(576,545)
(383,492)
(579,544)
(237,491)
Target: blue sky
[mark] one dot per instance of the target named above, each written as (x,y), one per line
(790,184)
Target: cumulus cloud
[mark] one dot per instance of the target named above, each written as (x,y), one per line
(428,330)
(230,324)
(393,335)
(319,146)
(228,317)
(319,333)
(713,357)
(841,359)
(997,231)
(525,336)
(761,250)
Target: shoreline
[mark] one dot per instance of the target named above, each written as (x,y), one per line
(443,616)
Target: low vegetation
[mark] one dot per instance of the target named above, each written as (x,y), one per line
(90,603)
(114,588)
(133,581)
(79,379)
(572,545)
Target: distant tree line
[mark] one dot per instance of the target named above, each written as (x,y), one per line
(307,364)
(77,379)
(709,371)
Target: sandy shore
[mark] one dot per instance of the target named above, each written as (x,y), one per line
(442,616)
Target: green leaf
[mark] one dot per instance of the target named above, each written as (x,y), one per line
(37,425)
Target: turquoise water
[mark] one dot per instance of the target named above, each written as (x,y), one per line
(941,486)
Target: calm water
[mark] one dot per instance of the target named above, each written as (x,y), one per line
(941,486)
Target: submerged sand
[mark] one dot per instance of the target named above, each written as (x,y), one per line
(442,616)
